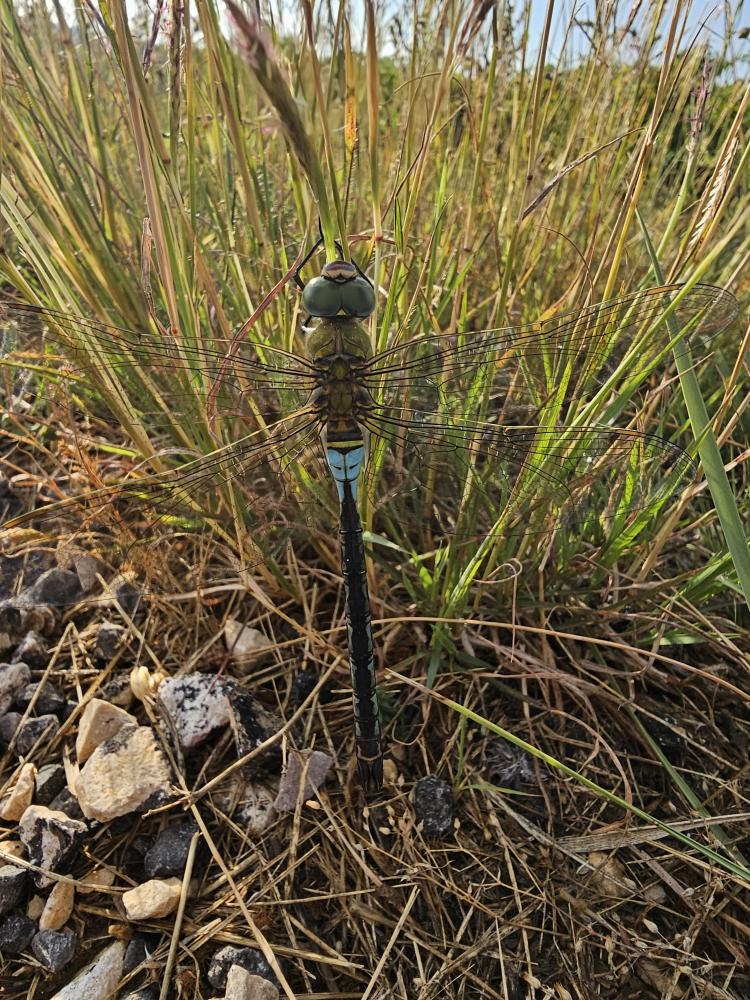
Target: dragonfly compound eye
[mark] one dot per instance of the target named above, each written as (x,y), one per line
(322,297)
(358,298)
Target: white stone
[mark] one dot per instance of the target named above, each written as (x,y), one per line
(245,644)
(96,880)
(15,804)
(126,773)
(243,985)
(155,898)
(100,721)
(196,706)
(99,979)
(58,908)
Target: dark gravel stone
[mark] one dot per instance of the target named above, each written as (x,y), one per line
(32,649)
(252,725)
(54,949)
(50,781)
(136,952)
(16,933)
(51,700)
(303,683)
(13,679)
(109,638)
(55,588)
(129,598)
(433,805)
(168,856)
(66,802)
(10,617)
(9,725)
(43,728)
(249,958)
(12,885)
(134,855)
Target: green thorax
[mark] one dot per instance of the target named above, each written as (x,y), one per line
(344,337)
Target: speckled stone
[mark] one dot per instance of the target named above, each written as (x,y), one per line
(196,706)
(16,933)
(54,949)
(12,885)
(433,805)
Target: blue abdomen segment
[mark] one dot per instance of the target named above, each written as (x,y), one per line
(345,467)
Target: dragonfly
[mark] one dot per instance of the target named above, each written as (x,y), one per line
(469,431)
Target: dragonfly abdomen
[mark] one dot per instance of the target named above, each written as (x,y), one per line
(345,458)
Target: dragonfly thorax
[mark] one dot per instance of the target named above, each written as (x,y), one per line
(338,336)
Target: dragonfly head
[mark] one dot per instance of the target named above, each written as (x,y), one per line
(340,290)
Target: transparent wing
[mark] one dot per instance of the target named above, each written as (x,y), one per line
(163,373)
(479,479)
(519,370)
(129,519)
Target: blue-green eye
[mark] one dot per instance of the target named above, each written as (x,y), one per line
(358,298)
(322,297)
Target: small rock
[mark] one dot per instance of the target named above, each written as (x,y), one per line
(250,805)
(35,907)
(246,645)
(126,773)
(243,985)
(16,933)
(12,885)
(50,701)
(55,588)
(32,649)
(58,908)
(50,837)
(14,848)
(252,725)
(8,725)
(13,679)
(304,682)
(66,802)
(36,731)
(95,881)
(318,766)
(433,805)
(249,958)
(15,804)
(50,781)
(156,898)
(196,706)
(136,952)
(100,721)
(99,979)
(54,949)
(109,637)
(88,569)
(118,691)
(169,854)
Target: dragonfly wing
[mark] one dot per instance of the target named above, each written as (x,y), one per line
(520,369)
(161,372)
(497,476)
(187,496)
